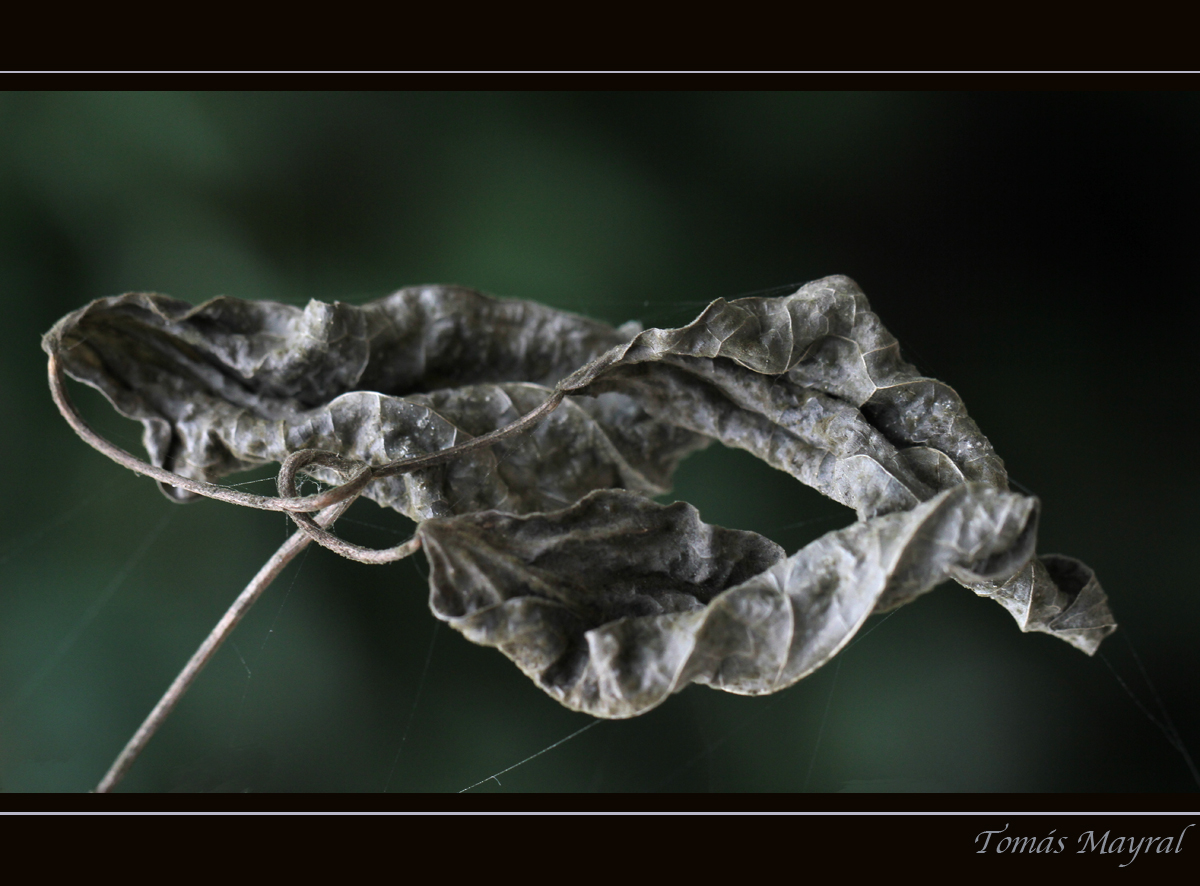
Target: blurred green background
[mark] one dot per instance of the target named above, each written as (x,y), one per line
(1036,251)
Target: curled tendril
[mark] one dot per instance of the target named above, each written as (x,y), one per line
(297,461)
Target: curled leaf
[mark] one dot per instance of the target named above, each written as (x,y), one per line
(544,545)
(616,602)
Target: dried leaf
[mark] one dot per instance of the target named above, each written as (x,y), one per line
(616,602)
(230,384)
(612,602)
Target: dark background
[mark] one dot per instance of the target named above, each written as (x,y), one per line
(1037,251)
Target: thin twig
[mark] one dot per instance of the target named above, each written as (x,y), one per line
(287,551)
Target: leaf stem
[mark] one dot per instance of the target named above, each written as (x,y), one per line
(270,570)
